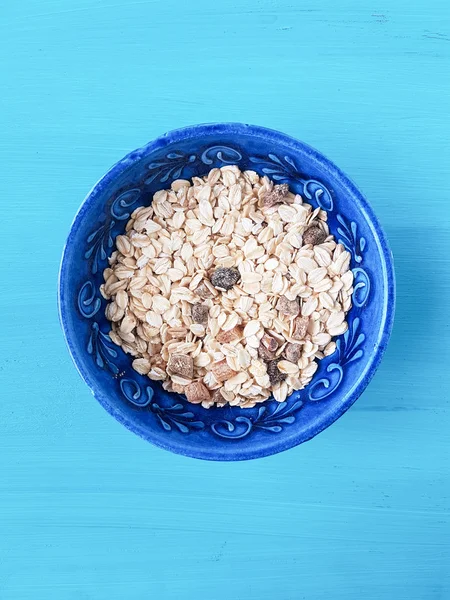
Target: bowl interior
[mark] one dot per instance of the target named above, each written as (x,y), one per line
(167,419)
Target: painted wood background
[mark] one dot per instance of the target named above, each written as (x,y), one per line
(89,511)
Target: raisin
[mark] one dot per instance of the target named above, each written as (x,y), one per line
(314,235)
(199,313)
(274,373)
(225,279)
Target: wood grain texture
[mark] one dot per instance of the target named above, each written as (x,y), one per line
(89,511)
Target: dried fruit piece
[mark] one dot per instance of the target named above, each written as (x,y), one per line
(217,398)
(292,352)
(197,392)
(274,373)
(224,278)
(222,371)
(199,313)
(290,308)
(180,364)
(226,337)
(203,291)
(278,193)
(300,327)
(314,235)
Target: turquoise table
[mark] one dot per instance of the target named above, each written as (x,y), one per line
(88,511)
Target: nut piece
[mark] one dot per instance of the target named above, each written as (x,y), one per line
(300,327)
(292,352)
(274,373)
(276,196)
(196,392)
(224,279)
(267,347)
(314,235)
(226,337)
(199,313)
(182,365)
(222,371)
(265,354)
(202,291)
(290,308)
(269,342)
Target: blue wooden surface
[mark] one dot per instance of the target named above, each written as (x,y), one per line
(89,511)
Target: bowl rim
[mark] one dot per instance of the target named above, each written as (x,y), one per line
(326,165)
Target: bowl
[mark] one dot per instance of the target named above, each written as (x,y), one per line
(167,419)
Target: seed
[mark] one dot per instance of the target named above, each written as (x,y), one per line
(225,279)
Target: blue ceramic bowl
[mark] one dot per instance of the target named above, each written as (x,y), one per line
(168,420)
